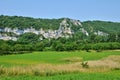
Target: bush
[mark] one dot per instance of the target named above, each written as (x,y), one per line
(85,64)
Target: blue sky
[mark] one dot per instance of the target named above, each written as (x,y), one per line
(107,10)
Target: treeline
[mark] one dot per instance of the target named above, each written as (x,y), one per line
(22,22)
(79,40)
(27,22)
(105,26)
(10,47)
(32,43)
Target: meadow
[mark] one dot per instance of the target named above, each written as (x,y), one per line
(52,65)
(75,76)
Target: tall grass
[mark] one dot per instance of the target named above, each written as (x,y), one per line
(75,76)
(53,64)
(103,65)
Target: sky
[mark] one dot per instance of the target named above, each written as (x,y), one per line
(83,10)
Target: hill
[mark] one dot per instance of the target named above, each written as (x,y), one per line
(86,27)
(19,33)
(105,26)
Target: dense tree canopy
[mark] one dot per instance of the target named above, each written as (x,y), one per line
(27,22)
(28,38)
(78,41)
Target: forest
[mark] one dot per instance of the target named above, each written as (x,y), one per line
(79,41)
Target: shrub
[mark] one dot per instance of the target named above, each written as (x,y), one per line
(85,64)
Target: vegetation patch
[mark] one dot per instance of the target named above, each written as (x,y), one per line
(103,65)
(72,59)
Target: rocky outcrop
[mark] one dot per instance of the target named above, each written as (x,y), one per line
(101,33)
(64,30)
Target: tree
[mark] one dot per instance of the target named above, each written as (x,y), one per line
(18,47)
(112,37)
(39,46)
(58,46)
(28,38)
(98,47)
(87,47)
(4,49)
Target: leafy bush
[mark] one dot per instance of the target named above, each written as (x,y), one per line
(85,64)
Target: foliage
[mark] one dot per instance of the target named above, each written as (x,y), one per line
(27,22)
(28,38)
(33,44)
(78,41)
(85,64)
(105,26)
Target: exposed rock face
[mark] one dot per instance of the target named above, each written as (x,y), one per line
(76,22)
(64,30)
(84,31)
(100,33)
(6,37)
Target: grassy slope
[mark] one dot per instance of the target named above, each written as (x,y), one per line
(52,57)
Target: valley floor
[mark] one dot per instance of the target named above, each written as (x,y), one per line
(75,65)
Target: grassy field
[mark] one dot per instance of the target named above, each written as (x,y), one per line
(103,65)
(53,57)
(76,76)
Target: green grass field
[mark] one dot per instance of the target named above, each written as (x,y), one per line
(103,65)
(115,75)
(53,57)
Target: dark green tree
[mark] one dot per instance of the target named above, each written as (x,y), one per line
(30,38)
